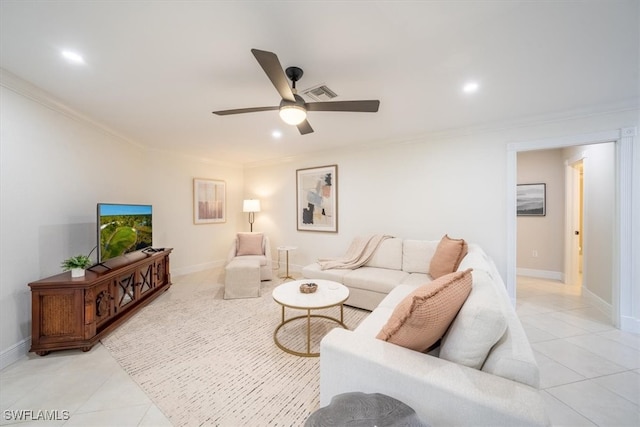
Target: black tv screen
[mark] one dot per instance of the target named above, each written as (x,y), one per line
(123,229)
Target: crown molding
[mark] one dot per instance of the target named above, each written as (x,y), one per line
(28,90)
(631,104)
(22,87)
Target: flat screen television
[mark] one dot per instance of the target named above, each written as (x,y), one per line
(123,229)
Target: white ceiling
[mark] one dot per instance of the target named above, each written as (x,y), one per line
(155,70)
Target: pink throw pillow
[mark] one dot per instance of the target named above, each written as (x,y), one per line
(448,256)
(424,316)
(249,244)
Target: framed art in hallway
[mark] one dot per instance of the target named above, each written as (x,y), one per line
(531,199)
(209,201)
(317,199)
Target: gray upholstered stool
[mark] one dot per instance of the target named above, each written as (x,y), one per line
(242,279)
(364,410)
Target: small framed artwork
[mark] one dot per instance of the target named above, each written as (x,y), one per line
(531,199)
(209,201)
(317,199)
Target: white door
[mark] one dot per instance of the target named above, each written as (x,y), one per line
(574,222)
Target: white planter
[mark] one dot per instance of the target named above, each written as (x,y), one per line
(77,272)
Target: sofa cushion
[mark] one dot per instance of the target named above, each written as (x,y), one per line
(512,357)
(371,324)
(374,279)
(387,255)
(447,257)
(314,271)
(417,254)
(416,279)
(480,323)
(260,258)
(394,298)
(423,317)
(249,244)
(477,259)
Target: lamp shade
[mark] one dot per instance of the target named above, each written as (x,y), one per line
(293,114)
(251,205)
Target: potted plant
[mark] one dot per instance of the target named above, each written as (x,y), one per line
(77,264)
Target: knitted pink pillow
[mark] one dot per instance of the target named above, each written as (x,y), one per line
(448,256)
(249,244)
(424,316)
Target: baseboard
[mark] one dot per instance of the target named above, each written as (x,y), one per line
(597,302)
(294,268)
(541,274)
(195,268)
(14,353)
(630,324)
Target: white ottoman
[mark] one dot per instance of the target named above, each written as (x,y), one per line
(242,279)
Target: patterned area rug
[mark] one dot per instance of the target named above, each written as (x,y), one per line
(208,361)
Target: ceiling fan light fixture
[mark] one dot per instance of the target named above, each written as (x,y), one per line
(293,114)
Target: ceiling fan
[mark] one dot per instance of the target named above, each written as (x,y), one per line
(293,109)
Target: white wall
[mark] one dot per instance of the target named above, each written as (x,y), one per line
(454,184)
(53,173)
(170,186)
(542,234)
(55,168)
(422,189)
(416,190)
(631,306)
(599,219)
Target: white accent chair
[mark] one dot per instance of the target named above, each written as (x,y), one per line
(242,279)
(266,262)
(248,263)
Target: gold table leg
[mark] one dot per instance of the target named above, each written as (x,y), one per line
(286,276)
(309,331)
(308,317)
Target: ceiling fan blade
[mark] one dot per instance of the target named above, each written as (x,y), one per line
(271,66)
(305,128)
(370,106)
(244,110)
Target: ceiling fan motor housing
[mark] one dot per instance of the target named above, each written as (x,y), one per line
(299,102)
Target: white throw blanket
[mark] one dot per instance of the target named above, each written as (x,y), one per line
(361,250)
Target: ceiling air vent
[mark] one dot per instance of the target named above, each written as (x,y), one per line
(319,93)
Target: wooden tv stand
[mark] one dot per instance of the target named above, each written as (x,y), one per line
(71,312)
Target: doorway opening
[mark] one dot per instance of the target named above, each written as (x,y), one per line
(624,315)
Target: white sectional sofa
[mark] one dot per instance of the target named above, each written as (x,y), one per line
(483,373)
(395,262)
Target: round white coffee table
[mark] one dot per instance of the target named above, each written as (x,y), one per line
(328,294)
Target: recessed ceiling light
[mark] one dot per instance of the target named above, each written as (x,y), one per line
(74,57)
(470,87)
(276,134)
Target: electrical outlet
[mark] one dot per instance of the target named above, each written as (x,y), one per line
(534,253)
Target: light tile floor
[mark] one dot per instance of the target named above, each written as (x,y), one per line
(590,371)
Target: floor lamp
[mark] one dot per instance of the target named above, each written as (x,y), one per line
(252,206)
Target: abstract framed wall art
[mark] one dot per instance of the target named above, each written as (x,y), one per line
(317,198)
(209,205)
(531,199)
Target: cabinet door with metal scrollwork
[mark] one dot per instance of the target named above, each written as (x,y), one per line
(104,303)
